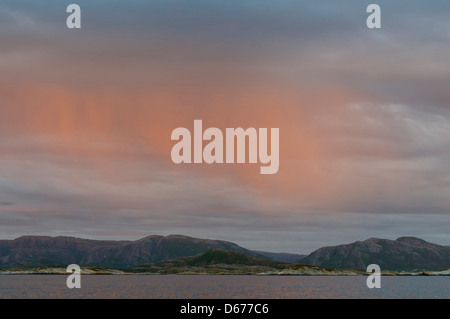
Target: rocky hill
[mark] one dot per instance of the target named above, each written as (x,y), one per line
(215,261)
(405,253)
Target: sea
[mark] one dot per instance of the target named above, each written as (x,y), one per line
(222,287)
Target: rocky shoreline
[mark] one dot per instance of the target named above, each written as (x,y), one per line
(300,270)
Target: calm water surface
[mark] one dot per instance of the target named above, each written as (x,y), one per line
(206,286)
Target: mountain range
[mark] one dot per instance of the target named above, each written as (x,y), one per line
(169,252)
(41,251)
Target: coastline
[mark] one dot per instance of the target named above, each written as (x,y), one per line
(294,271)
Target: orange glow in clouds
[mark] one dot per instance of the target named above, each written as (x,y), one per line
(104,127)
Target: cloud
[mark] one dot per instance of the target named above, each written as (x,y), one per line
(6,203)
(86,119)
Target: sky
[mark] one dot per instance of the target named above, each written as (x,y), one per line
(86,118)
